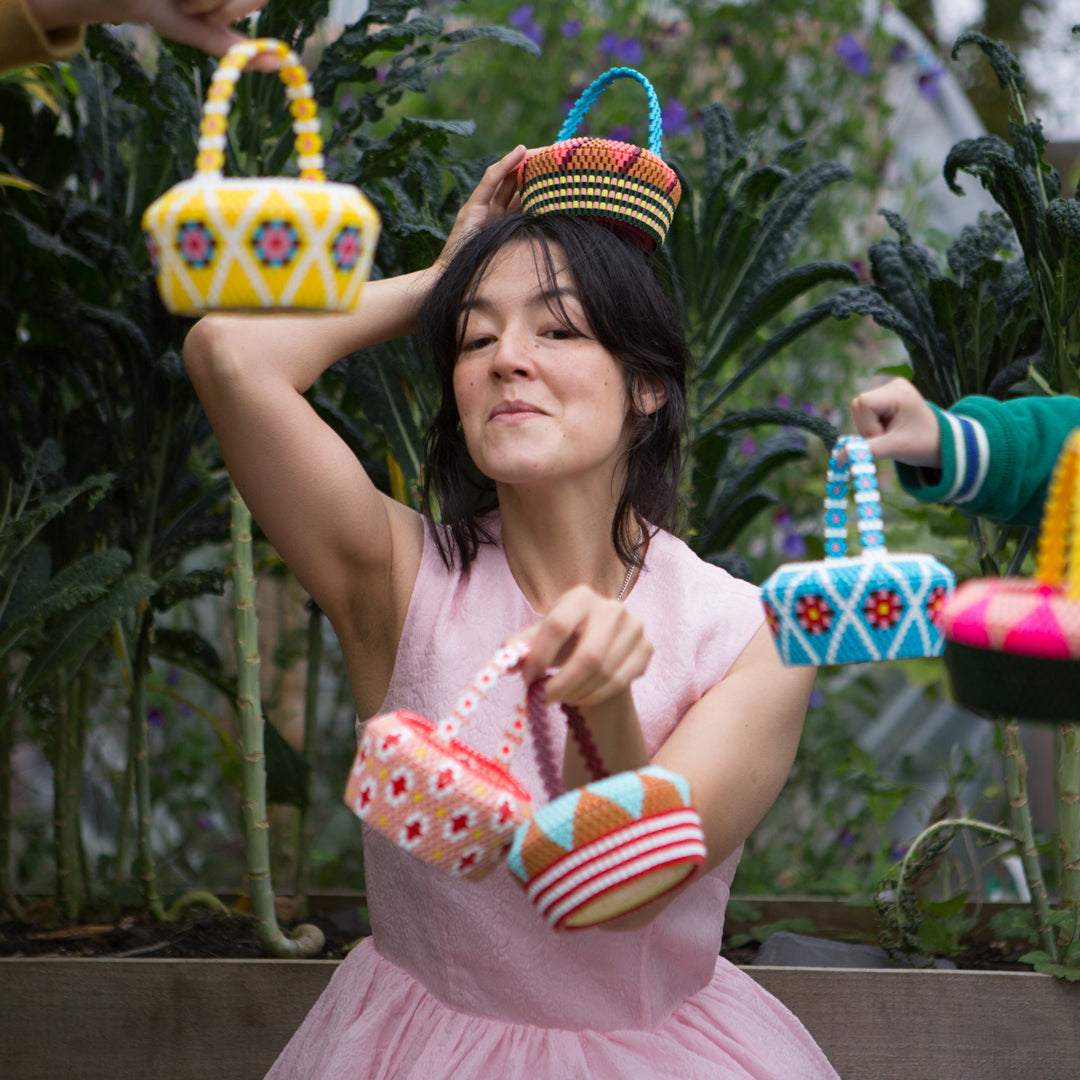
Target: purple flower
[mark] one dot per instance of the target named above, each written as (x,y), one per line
(850,50)
(675,118)
(783,401)
(783,518)
(155,717)
(845,838)
(381,71)
(897,852)
(521,19)
(748,445)
(571,28)
(172,677)
(899,51)
(622,133)
(928,82)
(627,50)
(817,699)
(793,545)
(206,822)
(810,408)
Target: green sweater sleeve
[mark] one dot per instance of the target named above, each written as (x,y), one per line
(996,456)
(22,41)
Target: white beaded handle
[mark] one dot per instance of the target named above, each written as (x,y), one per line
(505,660)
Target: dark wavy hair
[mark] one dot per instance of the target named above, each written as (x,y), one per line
(629,314)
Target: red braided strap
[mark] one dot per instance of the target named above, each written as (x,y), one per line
(585,743)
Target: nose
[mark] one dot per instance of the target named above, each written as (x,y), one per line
(512,357)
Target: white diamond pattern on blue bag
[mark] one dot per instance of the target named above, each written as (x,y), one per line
(848,609)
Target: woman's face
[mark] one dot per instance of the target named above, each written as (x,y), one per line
(540,399)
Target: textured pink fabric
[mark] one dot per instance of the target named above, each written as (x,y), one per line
(464,979)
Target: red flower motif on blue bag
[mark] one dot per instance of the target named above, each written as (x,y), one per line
(883,608)
(814,613)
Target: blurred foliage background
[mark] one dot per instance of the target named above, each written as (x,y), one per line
(119,750)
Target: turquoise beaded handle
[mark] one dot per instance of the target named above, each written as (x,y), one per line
(596,88)
(859,467)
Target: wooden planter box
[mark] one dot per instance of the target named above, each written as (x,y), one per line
(227,1019)
(147,1019)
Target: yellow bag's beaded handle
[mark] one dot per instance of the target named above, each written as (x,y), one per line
(1058,559)
(213,129)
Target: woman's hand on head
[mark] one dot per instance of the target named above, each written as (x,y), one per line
(898,424)
(596,645)
(495,195)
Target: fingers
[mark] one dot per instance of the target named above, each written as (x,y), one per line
(598,647)
(221,11)
(495,195)
(898,424)
(867,415)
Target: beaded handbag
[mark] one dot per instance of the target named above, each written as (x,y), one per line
(849,609)
(1012,645)
(628,186)
(256,243)
(610,847)
(435,796)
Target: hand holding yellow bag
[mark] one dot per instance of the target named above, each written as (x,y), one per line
(257,243)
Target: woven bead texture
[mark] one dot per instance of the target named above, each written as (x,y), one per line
(852,609)
(629,185)
(257,244)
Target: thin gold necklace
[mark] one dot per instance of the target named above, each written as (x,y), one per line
(633,567)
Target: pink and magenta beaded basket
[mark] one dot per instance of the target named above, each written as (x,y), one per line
(1012,645)
(610,847)
(880,605)
(629,186)
(435,796)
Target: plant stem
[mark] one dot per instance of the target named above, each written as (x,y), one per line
(1020,818)
(123,834)
(307,940)
(305,823)
(140,731)
(8,900)
(1067,752)
(65,808)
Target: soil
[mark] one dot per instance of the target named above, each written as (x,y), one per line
(202,934)
(196,935)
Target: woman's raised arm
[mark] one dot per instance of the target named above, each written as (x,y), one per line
(355,550)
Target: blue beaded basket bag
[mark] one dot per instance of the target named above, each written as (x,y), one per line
(848,609)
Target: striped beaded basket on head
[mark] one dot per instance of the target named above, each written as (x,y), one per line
(628,186)
(222,243)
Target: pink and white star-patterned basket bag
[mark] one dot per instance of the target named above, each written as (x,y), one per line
(845,609)
(435,796)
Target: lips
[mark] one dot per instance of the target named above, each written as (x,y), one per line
(511,408)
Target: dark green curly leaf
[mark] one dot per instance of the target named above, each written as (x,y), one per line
(1005,65)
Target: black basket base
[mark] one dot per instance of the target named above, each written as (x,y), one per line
(1005,686)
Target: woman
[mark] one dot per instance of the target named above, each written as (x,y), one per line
(553,460)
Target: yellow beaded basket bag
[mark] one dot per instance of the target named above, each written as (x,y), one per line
(260,243)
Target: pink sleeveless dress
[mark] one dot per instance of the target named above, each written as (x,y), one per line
(464,979)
